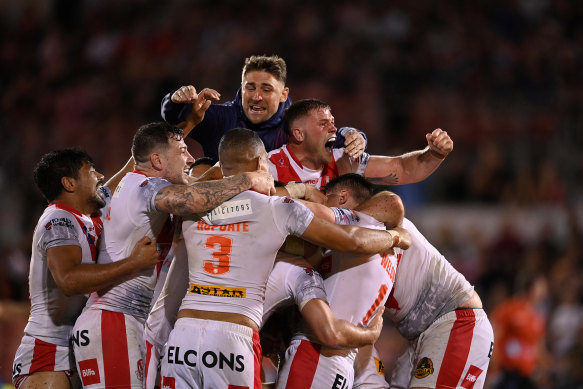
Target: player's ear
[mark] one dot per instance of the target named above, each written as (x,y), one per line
(68,184)
(156,161)
(284,94)
(297,134)
(343,196)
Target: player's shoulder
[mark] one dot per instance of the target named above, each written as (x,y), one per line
(57,217)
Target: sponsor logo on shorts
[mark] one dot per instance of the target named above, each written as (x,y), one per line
(89,372)
(424,368)
(471,377)
(16,369)
(168,383)
(340,382)
(80,338)
(209,359)
(217,291)
(379,365)
(230,209)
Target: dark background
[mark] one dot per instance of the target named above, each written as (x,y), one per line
(504,78)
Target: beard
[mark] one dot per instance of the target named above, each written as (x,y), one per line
(98,202)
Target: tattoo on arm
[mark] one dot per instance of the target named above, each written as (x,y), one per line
(183,200)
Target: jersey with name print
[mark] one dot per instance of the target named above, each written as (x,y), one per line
(232,249)
(427,286)
(133,215)
(285,167)
(357,285)
(52,314)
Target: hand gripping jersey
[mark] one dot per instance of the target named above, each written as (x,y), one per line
(285,167)
(426,287)
(45,345)
(232,249)
(132,216)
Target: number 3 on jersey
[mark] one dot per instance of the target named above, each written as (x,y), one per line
(221,246)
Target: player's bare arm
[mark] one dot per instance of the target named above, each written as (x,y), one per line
(73,277)
(385,207)
(351,238)
(186,200)
(330,331)
(411,167)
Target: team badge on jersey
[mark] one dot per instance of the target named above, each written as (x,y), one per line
(424,368)
(379,365)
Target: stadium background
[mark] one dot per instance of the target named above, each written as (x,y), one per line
(504,78)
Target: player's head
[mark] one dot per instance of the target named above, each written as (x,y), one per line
(263,87)
(159,150)
(241,150)
(348,191)
(69,172)
(201,165)
(310,125)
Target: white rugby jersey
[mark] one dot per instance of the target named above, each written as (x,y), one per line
(427,286)
(232,249)
(133,215)
(52,314)
(357,285)
(290,284)
(285,167)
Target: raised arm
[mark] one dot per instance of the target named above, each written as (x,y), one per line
(185,108)
(73,277)
(410,167)
(186,200)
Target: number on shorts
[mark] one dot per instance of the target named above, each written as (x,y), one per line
(222,254)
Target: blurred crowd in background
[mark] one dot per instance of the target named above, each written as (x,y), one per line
(504,78)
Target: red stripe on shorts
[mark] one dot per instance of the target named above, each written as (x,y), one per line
(257,355)
(43,356)
(116,361)
(148,358)
(457,349)
(303,368)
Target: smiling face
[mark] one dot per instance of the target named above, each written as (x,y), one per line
(261,94)
(176,161)
(319,134)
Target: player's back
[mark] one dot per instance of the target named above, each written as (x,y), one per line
(131,216)
(426,286)
(232,249)
(357,285)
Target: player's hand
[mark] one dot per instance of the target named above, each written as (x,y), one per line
(376,324)
(314,195)
(404,238)
(145,254)
(354,143)
(262,182)
(440,143)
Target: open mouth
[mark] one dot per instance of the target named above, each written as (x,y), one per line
(330,144)
(256,109)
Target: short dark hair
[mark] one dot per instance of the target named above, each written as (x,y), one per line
(55,165)
(151,136)
(360,187)
(273,65)
(239,139)
(300,109)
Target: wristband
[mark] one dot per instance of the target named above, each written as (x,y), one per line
(296,190)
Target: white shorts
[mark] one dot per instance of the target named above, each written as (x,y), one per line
(152,374)
(369,371)
(109,349)
(36,355)
(305,367)
(211,354)
(453,352)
